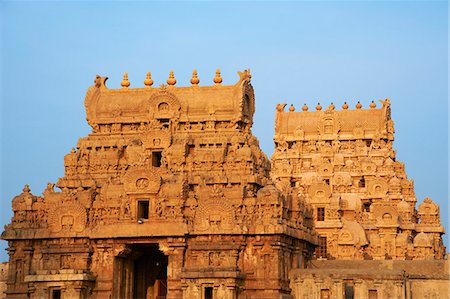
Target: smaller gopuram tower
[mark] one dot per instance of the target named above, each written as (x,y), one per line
(343,164)
(169,196)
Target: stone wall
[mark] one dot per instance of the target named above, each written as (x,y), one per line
(372,279)
(3,277)
(170,196)
(170,173)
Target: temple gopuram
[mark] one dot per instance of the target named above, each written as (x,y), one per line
(342,163)
(171,197)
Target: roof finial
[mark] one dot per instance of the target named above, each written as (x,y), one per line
(125,83)
(217,78)
(305,108)
(248,74)
(194,79)
(26,189)
(372,105)
(318,107)
(171,80)
(148,80)
(358,105)
(98,81)
(292,108)
(331,107)
(345,106)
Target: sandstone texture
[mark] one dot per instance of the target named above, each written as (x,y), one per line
(170,196)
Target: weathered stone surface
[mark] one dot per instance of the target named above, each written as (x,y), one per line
(170,176)
(170,196)
(343,164)
(3,278)
(372,279)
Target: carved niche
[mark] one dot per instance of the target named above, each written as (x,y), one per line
(319,193)
(142,180)
(325,169)
(358,130)
(299,133)
(342,179)
(156,139)
(214,213)
(164,105)
(386,215)
(369,167)
(429,212)
(395,185)
(69,216)
(377,188)
(329,124)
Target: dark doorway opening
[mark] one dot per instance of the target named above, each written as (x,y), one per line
(156,159)
(141,273)
(208,293)
(143,208)
(349,291)
(150,273)
(56,294)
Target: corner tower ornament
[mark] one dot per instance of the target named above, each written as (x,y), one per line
(171,197)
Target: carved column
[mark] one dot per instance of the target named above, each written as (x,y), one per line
(12,266)
(175,253)
(359,289)
(338,287)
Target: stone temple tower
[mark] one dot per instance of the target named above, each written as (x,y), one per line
(170,196)
(342,163)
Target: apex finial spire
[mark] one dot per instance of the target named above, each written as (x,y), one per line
(26,189)
(194,79)
(171,80)
(148,80)
(318,107)
(331,107)
(372,105)
(358,105)
(292,108)
(217,78)
(125,83)
(345,106)
(305,108)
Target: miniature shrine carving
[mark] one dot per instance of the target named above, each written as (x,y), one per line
(170,196)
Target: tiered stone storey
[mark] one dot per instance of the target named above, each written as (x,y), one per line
(168,197)
(343,164)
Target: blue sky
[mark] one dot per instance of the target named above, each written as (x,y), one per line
(298,52)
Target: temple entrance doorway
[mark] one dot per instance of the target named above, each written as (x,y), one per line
(150,273)
(142,273)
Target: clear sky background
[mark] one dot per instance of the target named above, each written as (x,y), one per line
(298,52)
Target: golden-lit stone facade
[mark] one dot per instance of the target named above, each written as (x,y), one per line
(343,164)
(171,197)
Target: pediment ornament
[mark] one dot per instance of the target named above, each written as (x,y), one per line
(329,124)
(139,180)
(70,216)
(164,104)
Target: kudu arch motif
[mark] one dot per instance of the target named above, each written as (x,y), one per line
(170,196)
